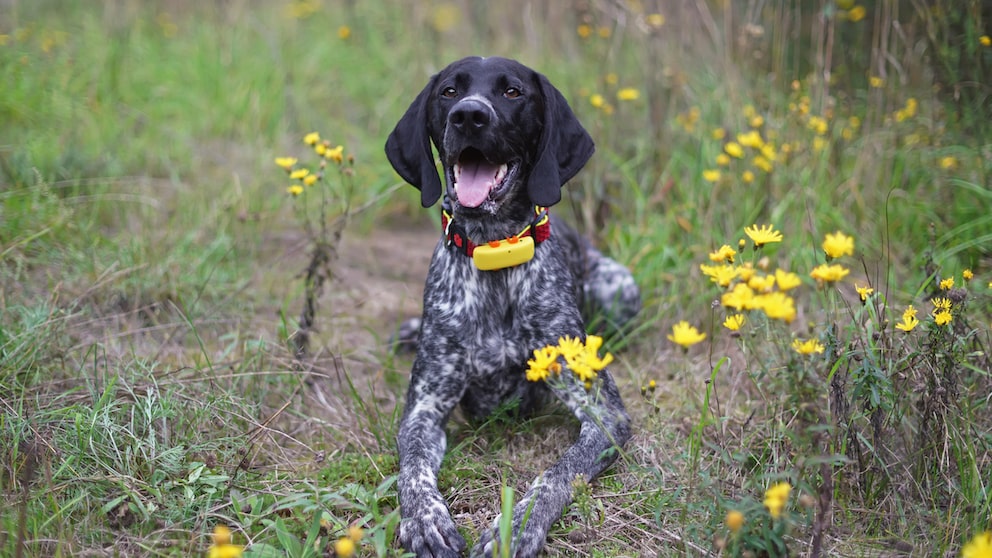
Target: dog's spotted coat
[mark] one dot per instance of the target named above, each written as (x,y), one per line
(507,141)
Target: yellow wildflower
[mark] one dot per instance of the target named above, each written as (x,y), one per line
(718,134)
(734,520)
(981,545)
(756,121)
(711,175)
(856,14)
(591,355)
(344,32)
(720,274)
(967,275)
(685,335)
(584,31)
(355,533)
(734,149)
(604,32)
(942,317)
(776,497)
(808,347)
(947,284)
(940,303)
(295,190)
(310,179)
(838,244)
(628,94)
(948,163)
(723,159)
(762,163)
(539,367)
(344,548)
(311,139)
(746,270)
(824,273)
(768,151)
(763,235)
(335,154)
(724,254)
(222,535)
(985,40)
(747,177)
(299,173)
(818,124)
(876,82)
(655,20)
(750,139)
(734,322)
(222,547)
(741,297)
(786,280)
(286,162)
(570,347)
(909,320)
(762,284)
(596,100)
(777,306)
(864,292)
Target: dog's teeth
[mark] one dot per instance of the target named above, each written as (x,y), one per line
(457,172)
(501,173)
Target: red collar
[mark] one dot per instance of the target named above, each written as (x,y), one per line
(539,228)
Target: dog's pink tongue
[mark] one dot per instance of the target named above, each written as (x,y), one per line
(474,183)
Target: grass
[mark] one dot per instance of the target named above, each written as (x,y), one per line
(152,263)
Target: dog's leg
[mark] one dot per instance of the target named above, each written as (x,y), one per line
(605,427)
(609,291)
(427,528)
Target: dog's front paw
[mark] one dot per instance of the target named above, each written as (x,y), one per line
(429,532)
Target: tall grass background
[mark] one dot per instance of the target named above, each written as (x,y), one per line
(151,260)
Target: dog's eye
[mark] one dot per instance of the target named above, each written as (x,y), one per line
(449,92)
(511,93)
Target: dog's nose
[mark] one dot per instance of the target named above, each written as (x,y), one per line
(470,115)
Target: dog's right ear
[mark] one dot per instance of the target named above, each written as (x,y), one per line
(408,148)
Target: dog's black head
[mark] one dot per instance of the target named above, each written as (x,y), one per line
(501,130)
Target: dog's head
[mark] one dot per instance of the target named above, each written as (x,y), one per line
(501,130)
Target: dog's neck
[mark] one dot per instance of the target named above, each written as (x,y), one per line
(482,227)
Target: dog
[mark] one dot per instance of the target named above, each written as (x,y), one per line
(507,142)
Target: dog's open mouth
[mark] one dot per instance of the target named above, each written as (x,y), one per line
(476,179)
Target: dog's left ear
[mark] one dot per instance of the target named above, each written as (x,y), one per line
(563,149)
(408,148)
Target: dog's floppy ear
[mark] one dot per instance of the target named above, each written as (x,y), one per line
(408,148)
(564,147)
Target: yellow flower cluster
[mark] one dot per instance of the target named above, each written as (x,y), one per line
(222,547)
(582,359)
(776,497)
(624,94)
(907,111)
(943,307)
(747,146)
(746,288)
(303,174)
